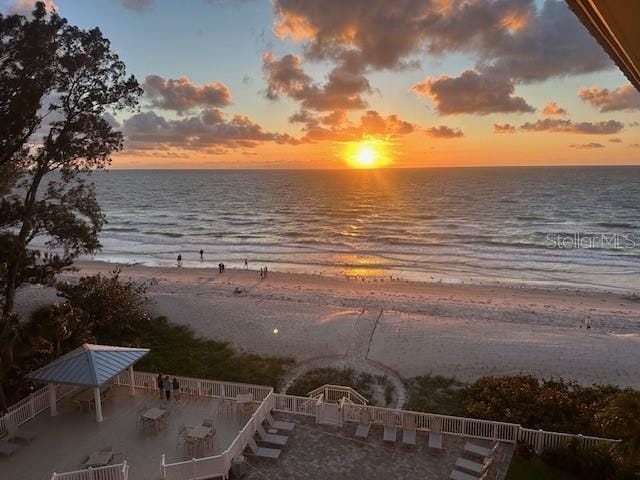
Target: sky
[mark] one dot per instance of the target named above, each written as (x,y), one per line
(314,84)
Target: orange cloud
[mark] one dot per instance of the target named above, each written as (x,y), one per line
(625,97)
(553,109)
(504,128)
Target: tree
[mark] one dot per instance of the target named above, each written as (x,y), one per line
(53,137)
(621,419)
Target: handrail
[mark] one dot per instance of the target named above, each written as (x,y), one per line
(329,389)
(118,471)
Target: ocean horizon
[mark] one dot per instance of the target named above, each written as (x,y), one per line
(550,226)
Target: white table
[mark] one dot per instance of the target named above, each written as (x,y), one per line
(198,434)
(154,415)
(99,459)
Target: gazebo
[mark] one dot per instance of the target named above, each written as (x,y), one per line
(88,366)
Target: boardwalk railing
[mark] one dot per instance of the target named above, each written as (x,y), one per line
(541,440)
(27,408)
(118,471)
(335,393)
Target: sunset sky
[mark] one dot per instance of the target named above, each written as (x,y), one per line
(294,83)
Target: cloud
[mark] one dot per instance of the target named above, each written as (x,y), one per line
(615,140)
(26,7)
(553,109)
(635,145)
(472,92)
(503,128)
(343,89)
(625,97)
(182,94)
(442,131)
(137,5)
(209,130)
(511,38)
(590,145)
(567,126)
(335,126)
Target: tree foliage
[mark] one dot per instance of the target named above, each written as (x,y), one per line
(57,83)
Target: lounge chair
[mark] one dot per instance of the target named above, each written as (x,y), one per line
(390,428)
(270,438)
(278,425)
(472,466)
(20,434)
(207,422)
(262,451)
(409,430)
(362,430)
(117,459)
(480,450)
(435,435)
(8,448)
(458,475)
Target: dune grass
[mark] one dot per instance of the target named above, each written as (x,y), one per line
(533,469)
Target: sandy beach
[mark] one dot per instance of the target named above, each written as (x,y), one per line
(411,328)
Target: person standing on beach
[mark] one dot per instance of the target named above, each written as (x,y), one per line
(201,255)
(246,263)
(179,260)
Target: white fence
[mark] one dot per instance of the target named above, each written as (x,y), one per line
(540,439)
(335,393)
(218,465)
(196,387)
(27,408)
(119,471)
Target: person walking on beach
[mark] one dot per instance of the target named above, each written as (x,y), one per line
(176,389)
(223,268)
(201,255)
(159,381)
(179,260)
(265,271)
(220,268)
(167,387)
(261,273)
(246,264)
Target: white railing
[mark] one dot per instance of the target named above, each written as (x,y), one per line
(295,405)
(31,406)
(469,427)
(218,465)
(196,387)
(540,439)
(119,471)
(335,393)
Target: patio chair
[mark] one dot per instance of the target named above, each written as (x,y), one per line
(362,430)
(480,450)
(20,434)
(270,438)
(390,428)
(262,451)
(207,422)
(472,466)
(409,431)
(458,475)
(278,425)
(182,433)
(107,449)
(435,435)
(225,407)
(8,448)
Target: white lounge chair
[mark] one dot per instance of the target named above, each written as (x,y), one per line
(409,431)
(21,434)
(263,451)
(458,475)
(362,430)
(271,438)
(480,450)
(278,425)
(435,435)
(8,448)
(472,466)
(390,428)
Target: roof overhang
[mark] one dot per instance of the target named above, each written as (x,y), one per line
(616,26)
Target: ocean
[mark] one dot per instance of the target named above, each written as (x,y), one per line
(571,227)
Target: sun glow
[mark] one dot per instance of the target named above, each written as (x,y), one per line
(368,153)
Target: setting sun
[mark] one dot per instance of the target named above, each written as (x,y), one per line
(367,154)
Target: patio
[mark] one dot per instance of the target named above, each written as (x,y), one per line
(317,452)
(65,441)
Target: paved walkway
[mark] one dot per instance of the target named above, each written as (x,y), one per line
(356,357)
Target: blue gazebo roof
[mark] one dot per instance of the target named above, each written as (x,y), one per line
(89,365)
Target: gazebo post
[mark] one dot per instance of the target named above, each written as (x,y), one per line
(53,404)
(98,404)
(132,382)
